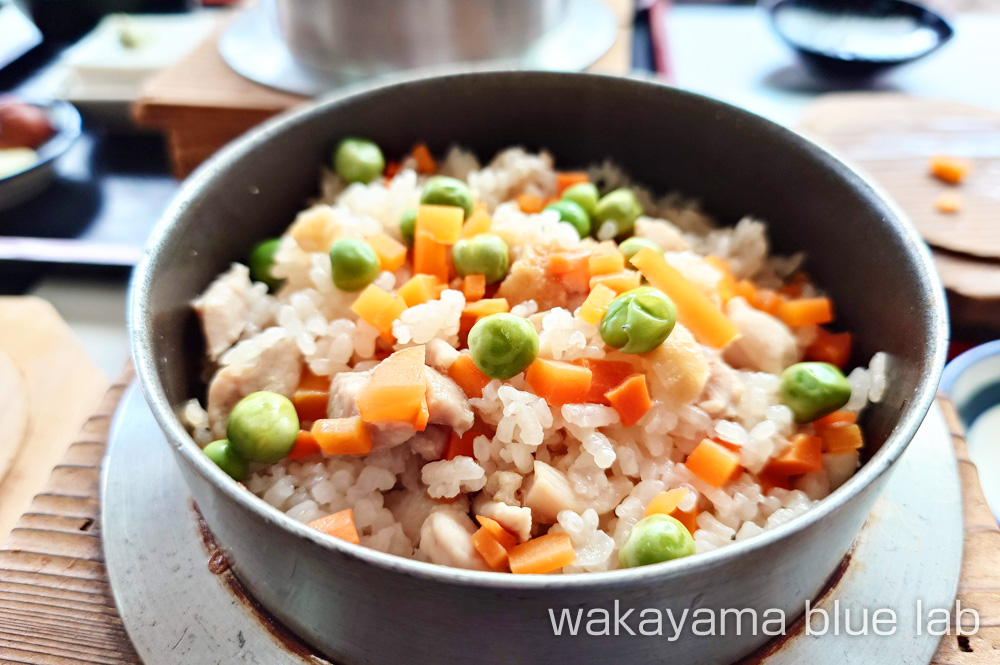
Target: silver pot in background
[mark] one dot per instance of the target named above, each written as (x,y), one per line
(373,37)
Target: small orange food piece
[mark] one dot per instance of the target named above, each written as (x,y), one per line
(619,282)
(474,287)
(559,382)
(803,455)
(529,203)
(542,555)
(666,502)
(768,300)
(841,438)
(607,374)
(747,290)
(948,202)
(461,446)
(379,308)
(476,310)
(443,223)
(430,257)
(395,390)
(468,377)
(305,446)
(423,416)
(593,308)
(828,347)
(391,253)
(806,311)
(339,525)
(769,479)
(502,535)
(311,397)
(834,419)
(949,169)
(606,259)
(342,436)
(566,179)
(714,463)
(425,160)
(689,519)
(492,551)
(478,222)
(572,269)
(631,399)
(420,289)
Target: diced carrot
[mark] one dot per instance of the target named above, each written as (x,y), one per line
(566,179)
(474,287)
(606,375)
(803,455)
(746,290)
(698,314)
(619,282)
(391,253)
(443,223)
(713,463)
(770,479)
(950,169)
(529,203)
(459,446)
(593,308)
(719,264)
(506,539)
(768,300)
(806,311)
(311,397)
(727,283)
(305,446)
(948,202)
(834,419)
(342,436)
(543,554)
(425,160)
(793,287)
(492,552)
(422,418)
(420,289)
(828,347)
(630,399)
(842,438)
(468,377)
(391,169)
(395,390)
(688,518)
(606,259)
(559,382)
(339,525)
(430,257)
(666,502)
(379,308)
(572,269)
(474,311)
(478,222)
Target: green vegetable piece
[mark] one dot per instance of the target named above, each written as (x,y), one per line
(573,214)
(655,539)
(503,345)
(484,254)
(354,264)
(261,262)
(444,191)
(263,427)
(408,226)
(358,160)
(631,246)
(584,194)
(621,207)
(226,459)
(638,321)
(812,390)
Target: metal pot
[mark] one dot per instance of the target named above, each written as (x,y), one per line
(378,36)
(360,606)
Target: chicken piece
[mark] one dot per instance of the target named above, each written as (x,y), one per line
(667,236)
(549,492)
(277,368)
(224,310)
(723,389)
(698,272)
(516,519)
(765,343)
(503,486)
(440,354)
(529,279)
(445,539)
(677,369)
(410,507)
(447,403)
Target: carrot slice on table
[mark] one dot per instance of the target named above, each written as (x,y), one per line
(559,382)
(420,289)
(948,203)
(606,259)
(806,311)
(630,399)
(492,552)
(713,463)
(305,446)
(379,308)
(506,539)
(391,253)
(311,397)
(803,455)
(666,502)
(828,347)
(566,179)
(342,436)
(698,314)
(607,374)
(593,308)
(842,438)
(468,377)
(619,282)
(395,390)
(950,169)
(339,525)
(529,203)
(425,160)
(474,287)
(542,555)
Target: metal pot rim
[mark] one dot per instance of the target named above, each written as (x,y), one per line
(142,336)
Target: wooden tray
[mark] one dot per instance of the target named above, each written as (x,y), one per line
(56,606)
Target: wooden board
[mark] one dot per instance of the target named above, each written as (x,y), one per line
(58,388)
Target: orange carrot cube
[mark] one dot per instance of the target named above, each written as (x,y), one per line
(391,253)
(714,463)
(631,399)
(339,525)
(559,382)
(468,377)
(342,436)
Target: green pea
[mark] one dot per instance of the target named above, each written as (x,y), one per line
(583,194)
(354,264)
(573,214)
(621,207)
(263,427)
(444,191)
(812,390)
(226,459)
(655,539)
(503,345)
(408,226)
(631,246)
(261,262)
(358,160)
(484,254)
(638,321)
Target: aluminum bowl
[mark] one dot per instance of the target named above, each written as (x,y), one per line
(357,605)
